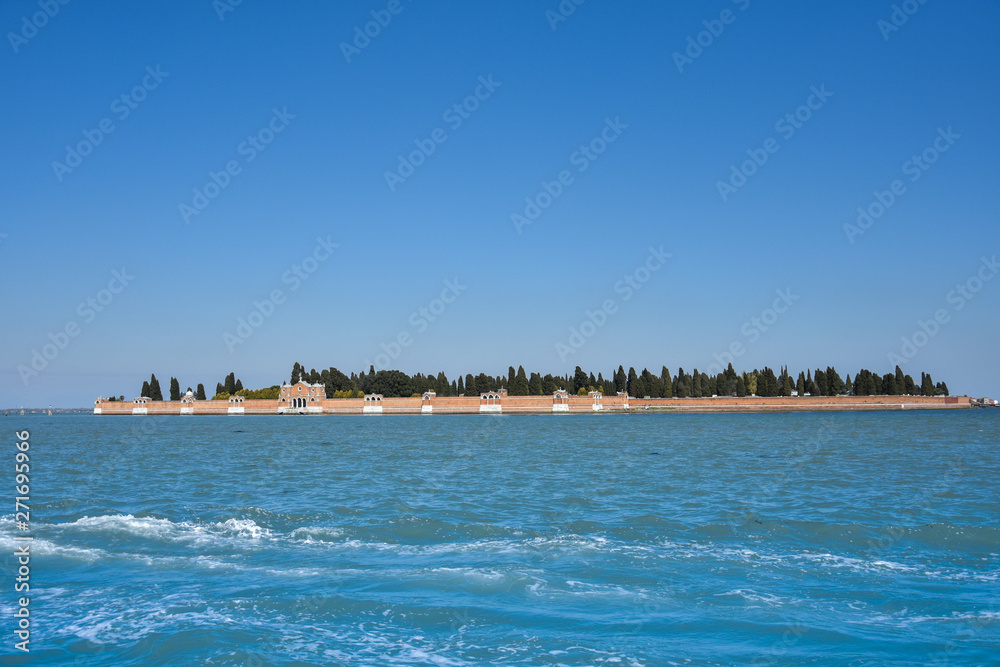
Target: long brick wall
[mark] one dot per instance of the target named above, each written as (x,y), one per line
(534,404)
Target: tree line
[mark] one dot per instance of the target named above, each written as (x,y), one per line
(759,382)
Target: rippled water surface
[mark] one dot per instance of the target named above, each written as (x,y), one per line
(525,540)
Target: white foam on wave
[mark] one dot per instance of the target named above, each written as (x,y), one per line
(42,547)
(111,624)
(167,530)
(316,534)
(753,596)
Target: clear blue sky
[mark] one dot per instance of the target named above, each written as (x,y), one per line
(656,184)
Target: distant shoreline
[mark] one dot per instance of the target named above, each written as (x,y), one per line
(502,403)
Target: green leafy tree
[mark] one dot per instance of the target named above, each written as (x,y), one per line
(580,379)
(391,384)
(535,384)
(485,383)
(767,383)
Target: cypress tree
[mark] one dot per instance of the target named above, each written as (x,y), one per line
(145,389)
(219,388)
(621,380)
(872,384)
(910,387)
(926,384)
(199,393)
(175,390)
(239,385)
(632,377)
(666,383)
(230,386)
(154,389)
(519,386)
(835,386)
(822,386)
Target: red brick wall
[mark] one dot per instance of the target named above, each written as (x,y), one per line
(543,404)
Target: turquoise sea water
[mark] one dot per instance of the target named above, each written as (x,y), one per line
(846,538)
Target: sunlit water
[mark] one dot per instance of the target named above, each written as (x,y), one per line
(535,540)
